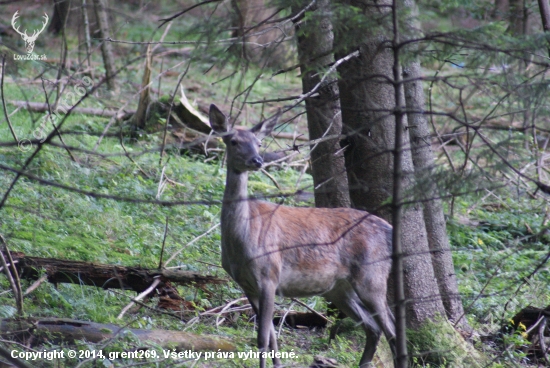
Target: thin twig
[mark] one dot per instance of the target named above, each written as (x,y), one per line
(272,179)
(191,242)
(171,314)
(146,292)
(17,362)
(121,140)
(310,309)
(73,158)
(35,285)
(163,243)
(326,75)
(170,111)
(226,307)
(14,273)
(542,343)
(279,99)
(15,289)
(166,20)
(283,319)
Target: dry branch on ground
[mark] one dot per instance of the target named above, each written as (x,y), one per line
(102,275)
(61,330)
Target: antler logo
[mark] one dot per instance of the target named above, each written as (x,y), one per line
(29,40)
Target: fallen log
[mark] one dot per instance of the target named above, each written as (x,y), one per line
(43,107)
(301,319)
(36,331)
(192,117)
(105,276)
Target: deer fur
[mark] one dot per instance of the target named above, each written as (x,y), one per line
(341,254)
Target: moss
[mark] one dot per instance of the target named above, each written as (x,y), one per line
(437,344)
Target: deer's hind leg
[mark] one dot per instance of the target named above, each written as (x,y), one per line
(345,298)
(372,293)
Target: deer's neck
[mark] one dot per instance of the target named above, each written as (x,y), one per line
(235,208)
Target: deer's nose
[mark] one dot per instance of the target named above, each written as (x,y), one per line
(256,161)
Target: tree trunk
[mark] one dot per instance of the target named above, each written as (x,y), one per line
(106,46)
(434,219)
(324,118)
(544,9)
(423,160)
(259,40)
(518,17)
(61,10)
(500,9)
(368,102)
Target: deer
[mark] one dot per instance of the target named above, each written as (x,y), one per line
(29,40)
(342,254)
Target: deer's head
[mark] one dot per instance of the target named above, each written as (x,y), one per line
(242,145)
(29,40)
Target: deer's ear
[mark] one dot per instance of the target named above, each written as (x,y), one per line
(218,121)
(264,128)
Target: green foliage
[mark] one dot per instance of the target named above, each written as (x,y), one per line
(438,344)
(478,83)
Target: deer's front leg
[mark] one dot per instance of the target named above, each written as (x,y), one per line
(266,331)
(254,302)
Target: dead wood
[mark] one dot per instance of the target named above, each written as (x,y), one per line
(189,121)
(301,319)
(139,118)
(43,107)
(105,276)
(532,323)
(61,330)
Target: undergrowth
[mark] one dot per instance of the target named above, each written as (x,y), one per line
(498,237)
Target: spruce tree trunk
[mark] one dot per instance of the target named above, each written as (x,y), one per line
(367,102)
(434,219)
(61,10)
(518,17)
(261,42)
(423,160)
(324,119)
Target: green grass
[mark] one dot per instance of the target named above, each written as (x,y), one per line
(498,236)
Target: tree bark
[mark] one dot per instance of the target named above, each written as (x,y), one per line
(259,40)
(140,117)
(423,160)
(518,17)
(315,39)
(102,275)
(106,46)
(61,10)
(544,9)
(64,330)
(368,102)
(500,9)
(434,219)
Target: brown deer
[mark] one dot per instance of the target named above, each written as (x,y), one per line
(268,249)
